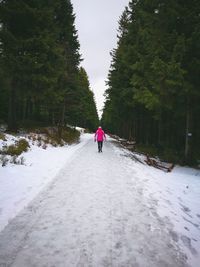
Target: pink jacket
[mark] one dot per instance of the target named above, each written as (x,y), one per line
(99,135)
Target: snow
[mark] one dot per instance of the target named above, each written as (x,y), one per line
(81,130)
(19,184)
(97,210)
(177,198)
(10,140)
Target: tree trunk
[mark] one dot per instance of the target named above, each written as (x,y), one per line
(63,115)
(62,121)
(160,130)
(12,118)
(188,134)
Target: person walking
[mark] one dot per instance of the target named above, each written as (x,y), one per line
(99,137)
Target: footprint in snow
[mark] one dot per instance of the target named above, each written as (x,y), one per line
(184,208)
(187,242)
(174,235)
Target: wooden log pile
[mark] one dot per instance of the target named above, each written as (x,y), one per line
(156,163)
(125,143)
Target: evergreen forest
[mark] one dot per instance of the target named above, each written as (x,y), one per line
(153,85)
(41,81)
(153,93)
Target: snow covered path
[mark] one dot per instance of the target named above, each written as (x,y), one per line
(95,213)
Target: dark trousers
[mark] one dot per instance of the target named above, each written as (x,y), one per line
(100,145)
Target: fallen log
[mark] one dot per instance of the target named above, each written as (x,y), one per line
(130,145)
(159,165)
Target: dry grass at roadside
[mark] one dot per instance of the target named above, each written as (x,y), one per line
(11,149)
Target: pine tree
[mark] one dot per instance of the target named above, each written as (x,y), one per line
(88,113)
(39,59)
(153,77)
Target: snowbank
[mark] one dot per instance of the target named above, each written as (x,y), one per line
(176,196)
(19,184)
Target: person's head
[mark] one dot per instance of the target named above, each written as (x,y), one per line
(99,127)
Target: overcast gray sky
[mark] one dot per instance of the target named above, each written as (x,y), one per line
(97,24)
